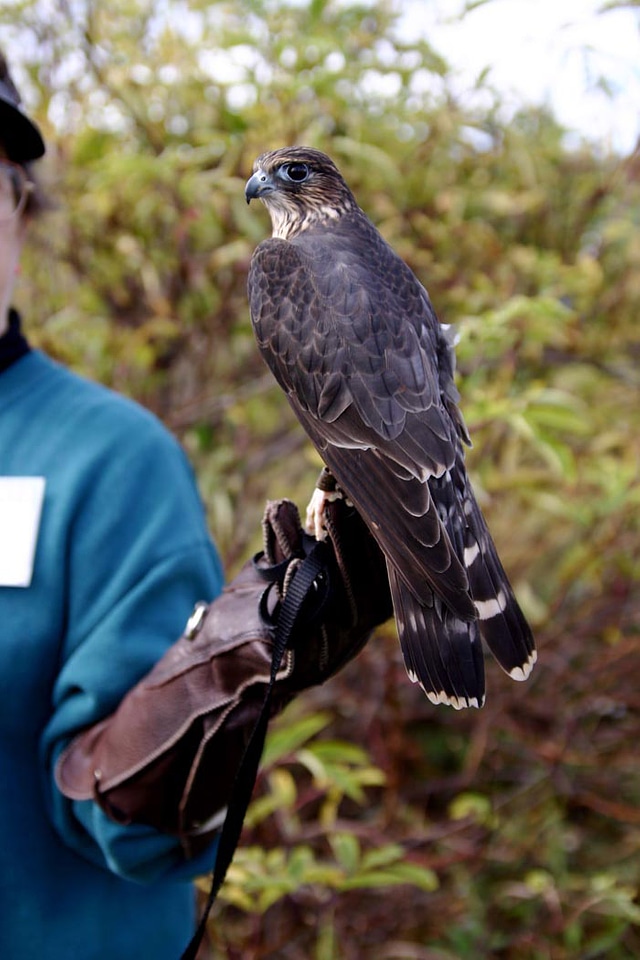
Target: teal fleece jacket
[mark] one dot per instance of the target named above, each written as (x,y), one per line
(122,554)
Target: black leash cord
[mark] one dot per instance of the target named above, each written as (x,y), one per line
(291,616)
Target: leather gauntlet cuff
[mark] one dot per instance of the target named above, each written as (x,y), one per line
(169,754)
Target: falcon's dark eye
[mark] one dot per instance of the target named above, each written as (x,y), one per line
(296,172)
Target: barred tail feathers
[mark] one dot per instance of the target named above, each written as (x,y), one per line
(441,652)
(500,620)
(502,624)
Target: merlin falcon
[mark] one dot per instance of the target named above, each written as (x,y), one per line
(351,336)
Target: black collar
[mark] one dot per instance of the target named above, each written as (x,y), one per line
(13,344)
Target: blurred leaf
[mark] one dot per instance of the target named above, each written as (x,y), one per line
(346,850)
(285,740)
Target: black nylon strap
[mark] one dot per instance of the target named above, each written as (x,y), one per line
(296,610)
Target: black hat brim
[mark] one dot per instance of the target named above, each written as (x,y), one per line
(20,137)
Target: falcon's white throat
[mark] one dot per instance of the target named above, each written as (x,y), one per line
(287,221)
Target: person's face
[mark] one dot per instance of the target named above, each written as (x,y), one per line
(12,185)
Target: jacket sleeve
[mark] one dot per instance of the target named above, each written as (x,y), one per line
(137,557)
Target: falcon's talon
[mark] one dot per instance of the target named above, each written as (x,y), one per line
(352,338)
(314,520)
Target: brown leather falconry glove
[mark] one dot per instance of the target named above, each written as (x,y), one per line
(169,754)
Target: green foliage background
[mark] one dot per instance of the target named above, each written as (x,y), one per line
(383,827)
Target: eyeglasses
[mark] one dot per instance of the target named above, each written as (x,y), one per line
(15,188)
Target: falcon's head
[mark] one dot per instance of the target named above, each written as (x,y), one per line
(299,186)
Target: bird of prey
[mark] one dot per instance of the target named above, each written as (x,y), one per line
(352,338)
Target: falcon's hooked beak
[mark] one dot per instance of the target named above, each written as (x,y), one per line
(258,185)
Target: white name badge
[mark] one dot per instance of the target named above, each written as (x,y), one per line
(21,501)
